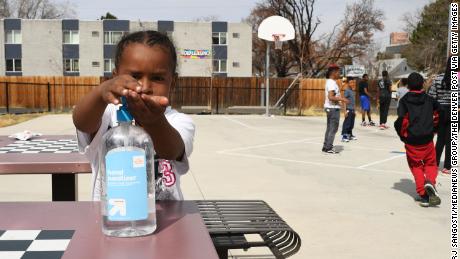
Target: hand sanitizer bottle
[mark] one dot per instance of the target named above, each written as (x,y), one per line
(127,177)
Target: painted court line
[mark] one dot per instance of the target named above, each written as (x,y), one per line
(265,145)
(268,129)
(239,122)
(313,163)
(381,161)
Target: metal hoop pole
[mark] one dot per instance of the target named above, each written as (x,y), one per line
(267,80)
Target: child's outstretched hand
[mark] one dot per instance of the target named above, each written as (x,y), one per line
(146,108)
(113,89)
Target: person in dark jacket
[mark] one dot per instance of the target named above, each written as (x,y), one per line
(441,91)
(384,89)
(418,116)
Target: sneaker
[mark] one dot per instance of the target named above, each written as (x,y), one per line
(386,126)
(371,123)
(445,171)
(433,196)
(352,137)
(382,126)
(345,138)
(330,151)
(363,123)
(423,200)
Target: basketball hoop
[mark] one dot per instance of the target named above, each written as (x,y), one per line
(278,29)
(278,39)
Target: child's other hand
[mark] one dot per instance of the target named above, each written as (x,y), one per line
(113,89)
(146,108)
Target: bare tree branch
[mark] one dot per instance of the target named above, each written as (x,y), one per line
(36,9)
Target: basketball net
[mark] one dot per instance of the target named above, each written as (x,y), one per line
(277,38)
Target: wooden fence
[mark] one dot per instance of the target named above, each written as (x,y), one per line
(35,94)
(312,92)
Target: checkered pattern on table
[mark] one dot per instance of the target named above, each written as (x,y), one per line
(34,244)
(35,146)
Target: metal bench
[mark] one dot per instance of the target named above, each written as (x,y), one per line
(228,221)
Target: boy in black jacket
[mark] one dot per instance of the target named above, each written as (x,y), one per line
(416,125)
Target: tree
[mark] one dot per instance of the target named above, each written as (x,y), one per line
(258,14)
(310,55)
(36,9)
(300,14)
(353,37)
(108,16)
(428,34)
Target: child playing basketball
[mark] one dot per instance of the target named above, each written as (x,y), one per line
(416,126)
(349,122)
(145,72)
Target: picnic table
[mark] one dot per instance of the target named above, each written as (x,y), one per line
(227,222)
(55,155)
(180,232)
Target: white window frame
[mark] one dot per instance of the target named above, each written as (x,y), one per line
(219,70)
(73,68)
(110,37)
(219,35)
(13,37)
(73,34)
(14,65)
(111,65)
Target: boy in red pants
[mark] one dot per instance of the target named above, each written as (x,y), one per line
(416,125)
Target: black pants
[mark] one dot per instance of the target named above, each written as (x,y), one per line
(349,123)
(333,120)
(384,103)
(443,141)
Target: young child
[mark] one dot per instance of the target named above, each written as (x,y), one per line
(332,101)
(365,99)
(402,89)
(416,125)
(145,72)
(349,122)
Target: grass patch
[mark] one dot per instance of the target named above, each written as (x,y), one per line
(12,119)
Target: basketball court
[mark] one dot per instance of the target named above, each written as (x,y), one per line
(356,204)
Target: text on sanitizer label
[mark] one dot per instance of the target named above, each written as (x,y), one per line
(126,179)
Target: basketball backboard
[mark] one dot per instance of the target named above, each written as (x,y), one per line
(276,28)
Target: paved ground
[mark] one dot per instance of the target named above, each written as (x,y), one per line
(358,204)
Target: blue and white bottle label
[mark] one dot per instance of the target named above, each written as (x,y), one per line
(126,179)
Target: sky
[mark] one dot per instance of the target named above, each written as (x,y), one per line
(330,12)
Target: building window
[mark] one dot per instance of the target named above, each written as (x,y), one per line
(71,65)
(219,38)
(95,64)
(236,35)
(70,37)
(95,33)
(112,37)
(219,66)
(13,65)
(13,37)
(236,64)
(109,65)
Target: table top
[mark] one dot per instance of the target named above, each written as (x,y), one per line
(24,159)
(180,232)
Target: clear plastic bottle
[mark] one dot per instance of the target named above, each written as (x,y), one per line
(127,177)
